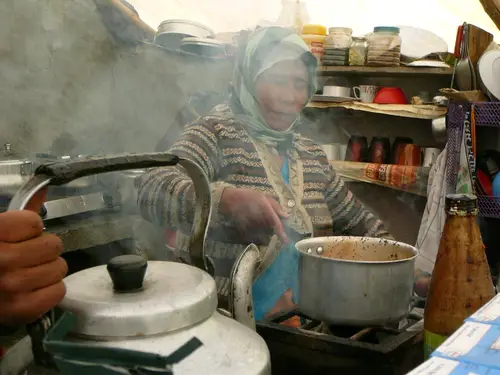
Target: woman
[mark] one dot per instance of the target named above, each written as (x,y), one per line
(264,176)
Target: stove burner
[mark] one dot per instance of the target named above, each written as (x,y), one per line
(316,348)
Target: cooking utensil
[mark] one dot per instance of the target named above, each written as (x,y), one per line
(469,61)
(478,42)
(134,317)
(171,32)
(204,47)
(439,130)
(457,53)
(355,281)
(463,74)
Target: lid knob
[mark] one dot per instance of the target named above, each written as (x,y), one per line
(127,272)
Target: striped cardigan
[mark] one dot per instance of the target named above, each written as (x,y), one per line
(230,157)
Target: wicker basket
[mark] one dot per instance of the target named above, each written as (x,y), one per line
(492,8)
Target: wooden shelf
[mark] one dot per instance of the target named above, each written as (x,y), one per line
(424,112)
(398,177)
(383,71)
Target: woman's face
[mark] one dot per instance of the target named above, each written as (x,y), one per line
(282,92)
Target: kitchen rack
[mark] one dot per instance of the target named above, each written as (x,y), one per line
(485,114)
(373,71)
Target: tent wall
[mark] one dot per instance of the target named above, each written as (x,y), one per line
(61,72)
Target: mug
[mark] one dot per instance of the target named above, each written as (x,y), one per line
(365,92)
(410,155)
(337,91)
(430,156)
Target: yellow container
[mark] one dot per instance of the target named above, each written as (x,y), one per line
(314,36)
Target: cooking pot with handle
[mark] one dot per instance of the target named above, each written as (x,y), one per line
(356,281)
(138,317)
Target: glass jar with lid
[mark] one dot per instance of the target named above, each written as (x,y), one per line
(358,50)
(339,37)
(384,47)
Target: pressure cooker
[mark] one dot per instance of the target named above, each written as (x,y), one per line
(137,317)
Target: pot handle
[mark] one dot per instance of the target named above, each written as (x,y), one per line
(60,173)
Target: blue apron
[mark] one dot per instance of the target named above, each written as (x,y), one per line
(280,276)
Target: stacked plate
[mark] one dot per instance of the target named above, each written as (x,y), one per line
(336,56)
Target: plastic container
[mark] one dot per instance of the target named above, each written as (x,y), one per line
(358,51)
(384,47)
(339,37)
(314,36)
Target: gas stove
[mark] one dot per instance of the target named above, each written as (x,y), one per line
(314,348)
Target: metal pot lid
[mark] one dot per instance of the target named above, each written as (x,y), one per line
(131,297)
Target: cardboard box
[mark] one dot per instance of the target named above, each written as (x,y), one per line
(444,366)
(476,343)
(488,314)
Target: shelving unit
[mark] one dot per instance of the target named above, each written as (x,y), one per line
(383,71)
(425,112)
(485,114)
(399,177)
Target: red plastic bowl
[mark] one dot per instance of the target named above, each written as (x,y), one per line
(390,95)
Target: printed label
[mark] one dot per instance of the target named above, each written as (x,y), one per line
(464,339)
(489,312)
(431,342)
(436,366)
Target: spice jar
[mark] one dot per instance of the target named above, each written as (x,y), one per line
(337,45)
(314,36)
(357,52)
(384,47)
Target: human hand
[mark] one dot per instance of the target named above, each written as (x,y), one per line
(253,211)
(31,271)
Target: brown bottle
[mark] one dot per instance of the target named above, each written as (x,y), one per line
(461,281)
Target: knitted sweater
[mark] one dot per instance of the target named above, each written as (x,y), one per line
(316,199)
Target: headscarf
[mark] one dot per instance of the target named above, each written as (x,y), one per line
(266,47)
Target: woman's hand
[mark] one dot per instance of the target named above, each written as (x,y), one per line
(253,212)
(31,271)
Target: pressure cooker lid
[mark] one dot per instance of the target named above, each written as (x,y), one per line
(132,297)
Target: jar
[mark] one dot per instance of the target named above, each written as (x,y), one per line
(384,47)
(339,37)
(314,36)
(357,52)
(336,46)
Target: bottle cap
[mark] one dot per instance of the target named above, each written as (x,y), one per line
(461,204)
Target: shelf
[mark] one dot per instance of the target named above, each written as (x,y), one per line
(399,177)
(425,112)
(383,71)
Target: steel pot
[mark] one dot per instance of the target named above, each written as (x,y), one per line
(138,317)
(357,281)
(171,32)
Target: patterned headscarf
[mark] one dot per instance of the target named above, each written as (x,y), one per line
(266,47)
